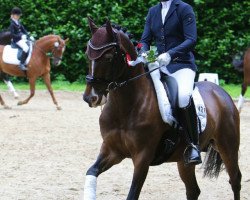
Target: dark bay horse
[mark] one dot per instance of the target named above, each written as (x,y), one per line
(39,64)
(245,68)
(131,125)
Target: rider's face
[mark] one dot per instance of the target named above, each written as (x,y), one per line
(16,17)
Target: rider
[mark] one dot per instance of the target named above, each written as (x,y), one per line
(19,35)
(172,25)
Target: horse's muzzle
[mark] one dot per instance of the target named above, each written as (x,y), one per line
(91,100)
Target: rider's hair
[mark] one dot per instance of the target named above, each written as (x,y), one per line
(16,11)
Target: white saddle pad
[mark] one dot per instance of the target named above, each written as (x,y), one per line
(10,55)
(200,108)
(164,104)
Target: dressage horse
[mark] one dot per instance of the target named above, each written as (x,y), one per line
(47,47)
(131,125)
(5,39)
(245,68)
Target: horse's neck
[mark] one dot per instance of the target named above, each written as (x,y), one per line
(132,93)
(46,44)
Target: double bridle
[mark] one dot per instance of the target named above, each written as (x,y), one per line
(112,84)
(90,79)
(49,54)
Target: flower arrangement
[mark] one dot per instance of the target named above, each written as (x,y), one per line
(152,54)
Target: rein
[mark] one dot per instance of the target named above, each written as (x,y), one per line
(114,85)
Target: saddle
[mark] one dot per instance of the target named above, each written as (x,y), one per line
(12,54)
(168,142)
(171,89)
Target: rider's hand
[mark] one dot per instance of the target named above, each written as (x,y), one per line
(32,38)
(24,37)
(139,59)
(164,59)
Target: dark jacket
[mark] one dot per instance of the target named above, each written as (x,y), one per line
(177,35)
(17,30)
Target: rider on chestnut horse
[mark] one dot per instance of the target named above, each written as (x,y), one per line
(19,35)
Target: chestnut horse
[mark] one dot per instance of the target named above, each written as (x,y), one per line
(39,64)
(245,67)
(131,125)
(5,39)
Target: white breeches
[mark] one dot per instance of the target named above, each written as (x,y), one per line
(23,45)
(185,82)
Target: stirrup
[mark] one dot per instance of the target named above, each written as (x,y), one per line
(192,155)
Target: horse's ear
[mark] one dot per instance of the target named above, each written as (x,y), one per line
(109,28)
(66,41)
(92,26)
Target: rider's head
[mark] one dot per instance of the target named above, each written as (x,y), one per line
(16,13)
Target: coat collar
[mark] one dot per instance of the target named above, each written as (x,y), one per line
(172,8)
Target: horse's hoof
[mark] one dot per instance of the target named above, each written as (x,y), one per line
(7,107)
(59,108)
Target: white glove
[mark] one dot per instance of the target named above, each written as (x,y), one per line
(140,59)
(24,37)
(164,59)
(32,38)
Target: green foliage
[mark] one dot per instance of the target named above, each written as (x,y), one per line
(223,31)
(223,28)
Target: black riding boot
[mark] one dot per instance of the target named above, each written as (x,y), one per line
(22,61)
(189,121)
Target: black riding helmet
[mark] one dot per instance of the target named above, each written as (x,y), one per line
(16,11)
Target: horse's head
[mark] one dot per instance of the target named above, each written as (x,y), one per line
(54,46)
(58,50)
(107,62)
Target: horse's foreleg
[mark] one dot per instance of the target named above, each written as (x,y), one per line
(32,82)
(241,97)
(187,174)
(141,166)
(46,78)
(104,162)
(3,103)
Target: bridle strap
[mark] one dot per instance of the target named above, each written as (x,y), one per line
(92,80)
(46,53)
(101,47)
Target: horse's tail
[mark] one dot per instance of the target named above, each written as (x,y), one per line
(213,163)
